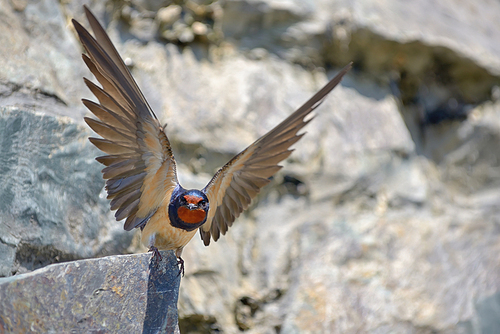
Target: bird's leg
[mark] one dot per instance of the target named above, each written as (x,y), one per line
(156,254)
(180,261)
(152,248)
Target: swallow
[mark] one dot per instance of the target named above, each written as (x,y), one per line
(140,168)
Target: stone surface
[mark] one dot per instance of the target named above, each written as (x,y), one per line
(385,218)
(369,263)
(51,208)
(436,52)
(41,63)
(116,294)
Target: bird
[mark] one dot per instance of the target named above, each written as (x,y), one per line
(140,168)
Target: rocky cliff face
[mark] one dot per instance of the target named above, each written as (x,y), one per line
(384,219)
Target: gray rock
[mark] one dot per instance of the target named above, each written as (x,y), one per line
(116,294)
(469,155)
(353,265)
(51,208)
(435,52)
(488,310)
(362,276)
(41,63)
(466,29)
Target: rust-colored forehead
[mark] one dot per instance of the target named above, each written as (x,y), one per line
(193,199)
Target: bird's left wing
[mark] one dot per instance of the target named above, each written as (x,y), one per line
(235,185)
(140,167)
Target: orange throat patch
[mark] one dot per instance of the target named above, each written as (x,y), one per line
(191,216)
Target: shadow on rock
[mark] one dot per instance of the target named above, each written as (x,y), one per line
(163,292)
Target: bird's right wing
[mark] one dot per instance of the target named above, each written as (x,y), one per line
(140,167)
(235,185)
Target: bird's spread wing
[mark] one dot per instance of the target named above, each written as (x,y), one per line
(234,185)
(140,167)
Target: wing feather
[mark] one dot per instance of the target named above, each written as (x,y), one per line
(112,147)
(235,185)
(125,184)
(107,131)
(123,168)
(108,116)
(140,167)
(270,160)
(110,160)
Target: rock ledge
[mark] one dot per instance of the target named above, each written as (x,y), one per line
(124,293)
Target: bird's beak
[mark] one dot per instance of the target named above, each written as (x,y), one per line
(192,206)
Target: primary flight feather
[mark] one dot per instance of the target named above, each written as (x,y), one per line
(140,172)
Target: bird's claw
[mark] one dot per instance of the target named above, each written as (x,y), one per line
(156,255)
(180,262)
(157,258)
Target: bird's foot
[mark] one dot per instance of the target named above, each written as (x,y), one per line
(180,262)
(156,255)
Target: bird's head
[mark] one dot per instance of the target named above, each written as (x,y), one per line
(188,209)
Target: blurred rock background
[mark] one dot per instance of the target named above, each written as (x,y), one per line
(386,218)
